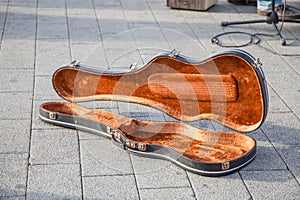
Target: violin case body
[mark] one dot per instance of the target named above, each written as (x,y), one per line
(227,87)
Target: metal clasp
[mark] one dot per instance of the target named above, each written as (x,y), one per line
(132,67)
(117,140)
(52,115)
(174,53)
(130,144)
(141,147)
(135,145)
(116,137)
(114,132)
(225,166)
(257,63)
(74,63)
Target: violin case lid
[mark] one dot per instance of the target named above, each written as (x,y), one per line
(228,87)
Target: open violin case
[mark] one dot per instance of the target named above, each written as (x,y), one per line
(228,87)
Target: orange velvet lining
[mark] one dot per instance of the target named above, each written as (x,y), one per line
(238,104)
(194,143)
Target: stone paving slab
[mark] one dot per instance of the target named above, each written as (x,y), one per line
(21,12)
(14,198)
(291,155)
(293,63)
(276,105)
(157,173)
(15,105)
(48,59)
(20,28)
(109,187)
(167,193)
(48,15)
(44,88)
(88,136)
(54,182)
(54,146)
(102,157)
(282,128)
(53,30)
(14,80)
(287,87)
(13,174)
(267,157)
(78,29)
(58,4)
(119,59)
(15,136)
(271,184)
(228,187)
(90,54)
(17,53)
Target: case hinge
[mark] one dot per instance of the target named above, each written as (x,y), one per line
(114,132)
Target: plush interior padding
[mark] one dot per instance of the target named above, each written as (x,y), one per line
(245,113)
(197,144)
(198,87)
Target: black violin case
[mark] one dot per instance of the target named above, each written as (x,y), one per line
(227,87)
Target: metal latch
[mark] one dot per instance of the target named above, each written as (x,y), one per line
(225,166)
(142,147)
(74,63)
(52,115)
(135,145)
(174,53)
(114,132)
(130,144)
(132,67)
(257,63)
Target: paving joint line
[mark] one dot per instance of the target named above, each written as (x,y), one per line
(291,110)
(286,165)
(191,185)
(194,33)
(4,25)
(108,175)
(169,187)
(244,183)
(32,100)
(101,34)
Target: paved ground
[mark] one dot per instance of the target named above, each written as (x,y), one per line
(41,161)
